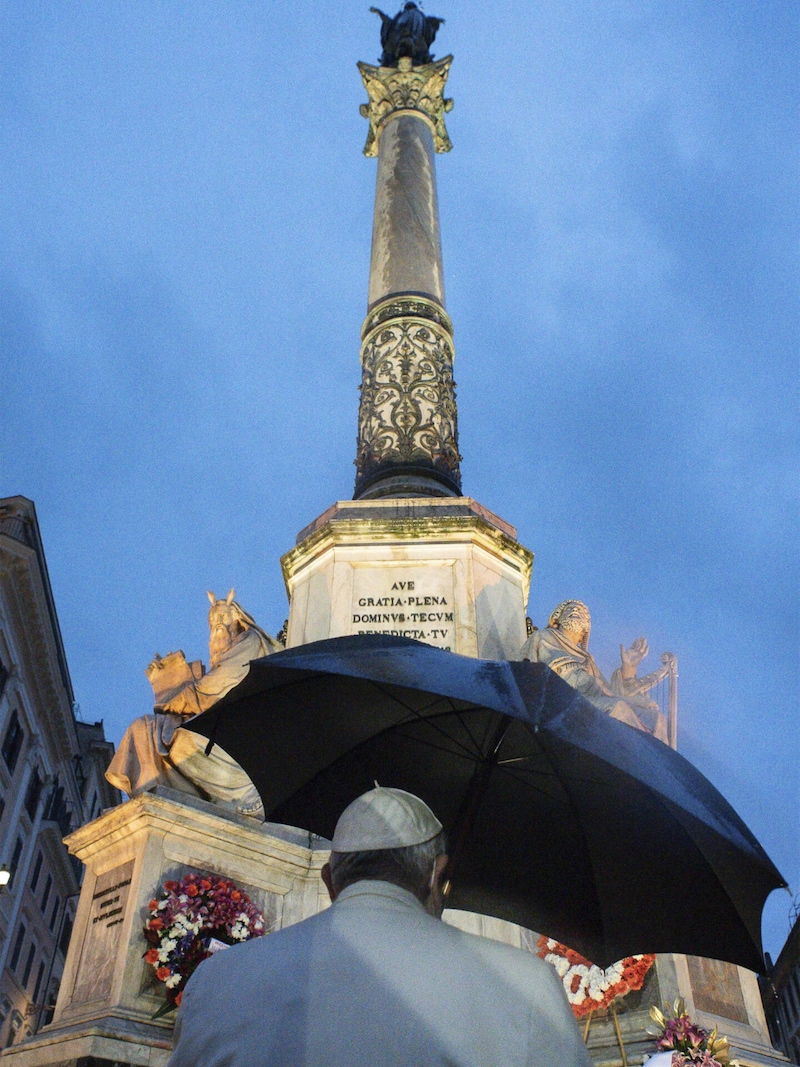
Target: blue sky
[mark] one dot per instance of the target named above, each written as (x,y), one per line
(186,220)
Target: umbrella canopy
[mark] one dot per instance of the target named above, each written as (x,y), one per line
(560,818)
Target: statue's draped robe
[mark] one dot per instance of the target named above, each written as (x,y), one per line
(154,751)
(621,698)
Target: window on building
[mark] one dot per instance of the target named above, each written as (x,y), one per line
(18,942)
(33,794)
(13,1029)
(26,974)
(58,811)
(48,885)
(15,858)
(66,934)
(12,742)
(54,913)
(5,674)
(50,1006)
(37,870)
(37,988)
(80,773)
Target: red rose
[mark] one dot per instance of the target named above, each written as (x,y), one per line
(192,890)
(163,973)
(205,884)
(236,895)
(151,956)
(156,924)
(178,999)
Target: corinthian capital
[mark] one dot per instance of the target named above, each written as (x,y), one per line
(406,89)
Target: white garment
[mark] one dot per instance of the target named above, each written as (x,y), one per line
(375,981)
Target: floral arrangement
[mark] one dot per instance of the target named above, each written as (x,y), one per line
(191,920)
(688,1042)
(591,988)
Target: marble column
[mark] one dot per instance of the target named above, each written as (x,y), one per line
(406,245)
(408,433)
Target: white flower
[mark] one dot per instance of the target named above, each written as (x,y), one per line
(166,950)
(561,964)
(172,981)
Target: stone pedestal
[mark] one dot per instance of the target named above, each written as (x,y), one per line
(108,994)
(717,995)
(442,570)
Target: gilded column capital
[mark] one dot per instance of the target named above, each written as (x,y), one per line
(406,89)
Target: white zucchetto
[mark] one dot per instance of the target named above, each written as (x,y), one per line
(384,818)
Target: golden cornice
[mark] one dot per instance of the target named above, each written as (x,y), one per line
(406,90)
(455,529)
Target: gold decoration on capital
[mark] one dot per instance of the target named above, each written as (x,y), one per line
(417,90)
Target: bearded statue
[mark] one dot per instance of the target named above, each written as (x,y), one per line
(160,749)
(564,647)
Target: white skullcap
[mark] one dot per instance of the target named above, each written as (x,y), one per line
(384,818)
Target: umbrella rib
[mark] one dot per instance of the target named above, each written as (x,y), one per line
(562,781)
(478,748)
(504,765)
(528,783)
(439,748)
(429,719)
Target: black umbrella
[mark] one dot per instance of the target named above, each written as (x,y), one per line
(559,818)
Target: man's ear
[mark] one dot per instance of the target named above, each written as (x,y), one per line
(439,865)
(325,874)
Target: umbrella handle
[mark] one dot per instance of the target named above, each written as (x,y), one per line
(470,805)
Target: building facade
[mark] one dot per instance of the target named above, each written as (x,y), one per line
(781,996)
(51,780)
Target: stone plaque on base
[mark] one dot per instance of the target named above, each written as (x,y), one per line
(445,571)
(109,995)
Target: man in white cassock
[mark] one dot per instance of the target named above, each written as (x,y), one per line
(377,979)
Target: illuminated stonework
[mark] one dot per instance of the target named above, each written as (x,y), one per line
(407,413)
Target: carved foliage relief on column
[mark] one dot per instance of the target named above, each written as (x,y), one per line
(407,413)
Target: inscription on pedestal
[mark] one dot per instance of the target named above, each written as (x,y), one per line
(416,602)
(716,988)
(98,956)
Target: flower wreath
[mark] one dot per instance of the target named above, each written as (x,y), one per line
(590,988)
(190,921)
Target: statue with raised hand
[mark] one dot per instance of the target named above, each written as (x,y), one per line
(563,646)
(155,751)
(410,33)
